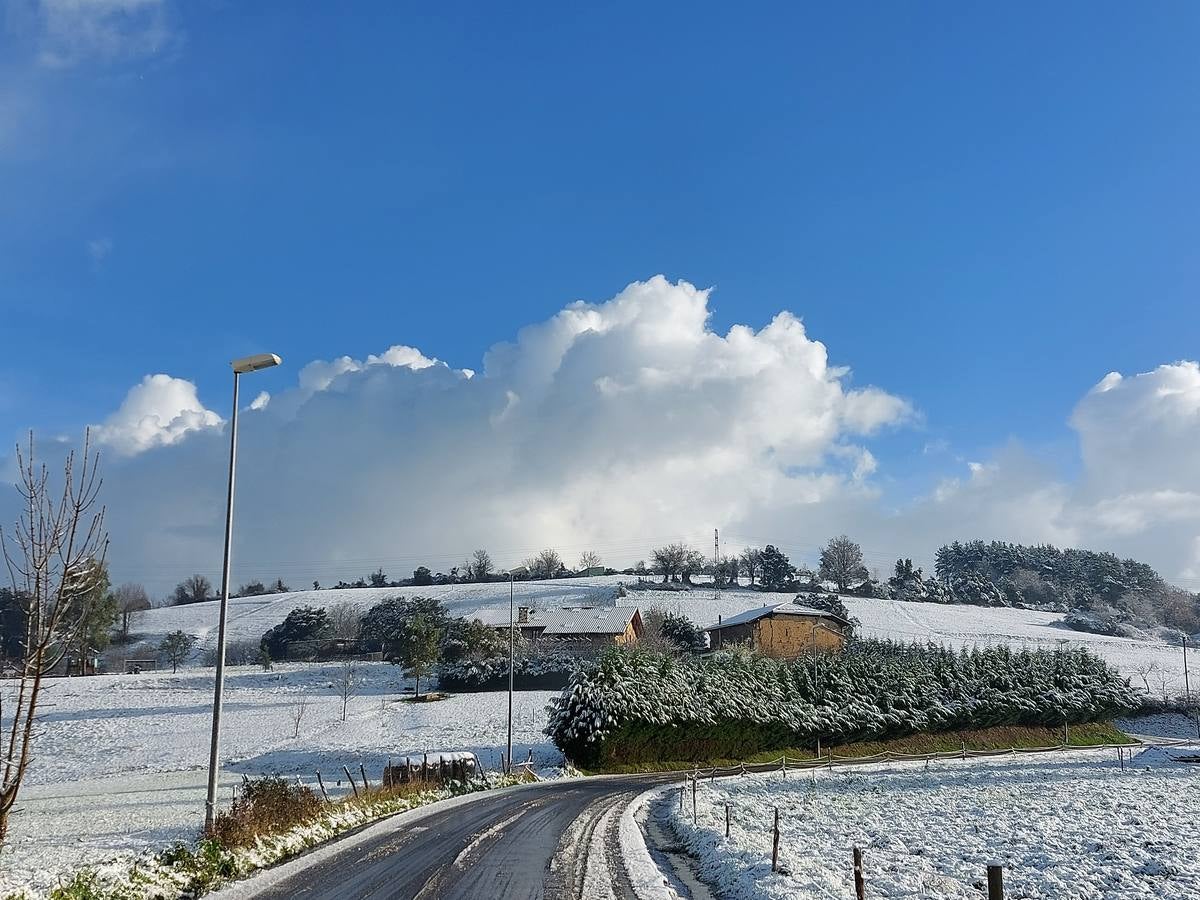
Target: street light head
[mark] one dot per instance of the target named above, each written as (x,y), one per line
(254,363)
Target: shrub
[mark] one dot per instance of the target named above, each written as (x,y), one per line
(639,706)
(265,805)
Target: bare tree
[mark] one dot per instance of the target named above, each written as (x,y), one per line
(132,599)
(590,559)
(1144,671)
(345,620)
(346,683)
(751,563)
(54,555)
(842,562)
(193,589)
(296,714)
(547,564)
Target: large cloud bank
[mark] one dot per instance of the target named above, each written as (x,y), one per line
(615,426)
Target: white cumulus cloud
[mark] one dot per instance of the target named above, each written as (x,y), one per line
(157,412)
(619,426)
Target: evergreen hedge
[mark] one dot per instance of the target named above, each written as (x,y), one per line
(640,706)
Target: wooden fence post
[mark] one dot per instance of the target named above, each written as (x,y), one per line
(726,820)
(351,778)
(324,793)
(775,843)
(860,888)
(363,770)
(995,882)
(783,768)
(694,780)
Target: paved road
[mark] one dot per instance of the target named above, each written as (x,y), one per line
(557,842)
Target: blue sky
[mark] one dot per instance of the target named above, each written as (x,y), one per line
(979,208)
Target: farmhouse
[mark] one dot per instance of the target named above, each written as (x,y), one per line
(783,631)
(578,630)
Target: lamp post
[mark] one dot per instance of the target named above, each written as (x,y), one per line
(240,367)
(512,653)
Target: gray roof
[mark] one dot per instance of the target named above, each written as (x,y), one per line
(777,609)
(568,620)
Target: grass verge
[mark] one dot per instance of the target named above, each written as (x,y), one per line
(998,738)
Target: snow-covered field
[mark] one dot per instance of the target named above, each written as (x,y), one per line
(250,617)
(121,759)
(1071,825)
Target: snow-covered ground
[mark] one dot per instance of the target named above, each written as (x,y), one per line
(121,759)
(949,624)
(119,763)
(250,617)
(1071,825)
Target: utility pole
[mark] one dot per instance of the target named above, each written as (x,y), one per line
(512,653)
(716,565)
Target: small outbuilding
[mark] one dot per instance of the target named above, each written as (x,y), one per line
(782,631)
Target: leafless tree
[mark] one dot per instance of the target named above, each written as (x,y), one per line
(1144,671)
(590,559)
(54,555)
(547,564)
(345,619)
(751,563)
(193,589)
(346,683)
(296,713)
(842,562)
(132,599)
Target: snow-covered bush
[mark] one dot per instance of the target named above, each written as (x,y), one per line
(467,675)
(638,706)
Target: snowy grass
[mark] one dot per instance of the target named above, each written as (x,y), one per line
(120,764)
(1004,737)
(1072,825)
(183,871)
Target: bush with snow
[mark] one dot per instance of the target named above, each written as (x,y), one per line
(639,706)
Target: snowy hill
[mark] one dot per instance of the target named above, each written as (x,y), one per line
(250,617)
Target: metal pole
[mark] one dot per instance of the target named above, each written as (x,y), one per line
(512,652)
(210,803)
(1187,688)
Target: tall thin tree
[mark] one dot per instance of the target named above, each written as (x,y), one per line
(54,554)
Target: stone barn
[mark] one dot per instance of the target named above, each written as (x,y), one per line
(782,631)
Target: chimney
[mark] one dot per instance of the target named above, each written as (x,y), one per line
(522,615)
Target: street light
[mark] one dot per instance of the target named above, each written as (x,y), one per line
(240,367)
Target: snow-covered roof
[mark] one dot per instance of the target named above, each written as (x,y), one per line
(568,620)
(779,609)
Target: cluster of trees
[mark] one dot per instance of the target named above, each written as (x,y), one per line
(416,633)
(768,568)
(637,706)
(1099,591)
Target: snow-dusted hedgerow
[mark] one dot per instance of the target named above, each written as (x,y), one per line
(639,706)
(482,674)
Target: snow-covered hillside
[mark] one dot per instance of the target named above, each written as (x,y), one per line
(1071,825)
(250,617)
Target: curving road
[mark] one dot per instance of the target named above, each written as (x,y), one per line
(558,841)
